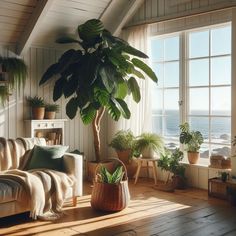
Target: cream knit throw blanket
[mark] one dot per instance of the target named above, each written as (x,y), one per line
(46,188)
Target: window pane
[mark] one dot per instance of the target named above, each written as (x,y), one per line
(201,124)
(199,44)
(171,98)
(172,124)
(157,124)
(157,49)
(221,150)
(221,130)
(221,101)
(158,68)
(221,41)
(199,101)
(221,70)
(171,74)
(157,101)
(172,48)
(199,72)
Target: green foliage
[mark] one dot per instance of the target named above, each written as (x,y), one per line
(52,107)
(149,140)
(35,101)
(106,177)
(17,75)
(192,139)
(123,140)
(100,73)
(170,161)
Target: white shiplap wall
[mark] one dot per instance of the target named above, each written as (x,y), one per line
(12,116)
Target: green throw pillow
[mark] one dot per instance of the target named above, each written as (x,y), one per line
(49,157)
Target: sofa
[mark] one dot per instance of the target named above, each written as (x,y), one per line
(9,193)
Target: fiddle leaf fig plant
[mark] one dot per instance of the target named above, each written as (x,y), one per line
(98,75)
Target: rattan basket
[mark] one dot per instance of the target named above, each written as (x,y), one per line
(110,197)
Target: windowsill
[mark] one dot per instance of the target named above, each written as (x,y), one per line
(203,165)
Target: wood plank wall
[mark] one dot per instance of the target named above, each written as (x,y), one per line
(12,116)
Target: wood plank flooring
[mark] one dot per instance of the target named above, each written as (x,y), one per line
(151,212)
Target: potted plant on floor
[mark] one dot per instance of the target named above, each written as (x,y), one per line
(192,141)
(170,161)
(97,76)
(124,142)
(37,105)
(51,110)
(148,144)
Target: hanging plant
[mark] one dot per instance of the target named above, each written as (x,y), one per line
(16,71)
(4,94)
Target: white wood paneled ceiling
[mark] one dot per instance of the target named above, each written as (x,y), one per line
(40,22)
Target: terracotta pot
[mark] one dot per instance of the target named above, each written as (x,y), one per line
(91,167)
(38,113)
(50,115)
(193,157)
(124,155)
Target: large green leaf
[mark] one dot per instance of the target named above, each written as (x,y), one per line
(121,90)
(105,76)
(83,97)
(113,111)
(133,51)
(88,114)
(102,96)
(121,104)
(90,29)
(66,39)
(58,88)
(71,108)
(145,68)
(134,88)
(51,71)
(70,86)
(117,175)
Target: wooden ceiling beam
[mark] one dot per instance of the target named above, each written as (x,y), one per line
(33,25)
(118,13)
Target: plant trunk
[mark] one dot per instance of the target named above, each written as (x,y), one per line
(96,133)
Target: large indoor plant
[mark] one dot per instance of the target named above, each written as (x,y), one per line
(192,140)
(148,144)
(97,76)
(13,73)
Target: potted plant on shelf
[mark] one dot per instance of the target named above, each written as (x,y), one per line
(37,105)
(51,110)
(13,73)
(97,76)
(148,144)
(170,161)
(192,140)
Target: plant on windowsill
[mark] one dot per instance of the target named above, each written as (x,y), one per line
(98,76)
(170,161)
(37,105)
(148,144)
(51,110)
(192,141)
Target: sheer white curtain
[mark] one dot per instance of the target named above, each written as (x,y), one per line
(140,120)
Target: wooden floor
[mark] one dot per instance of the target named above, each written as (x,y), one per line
(151,212)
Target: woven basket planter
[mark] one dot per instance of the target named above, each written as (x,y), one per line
(110,197)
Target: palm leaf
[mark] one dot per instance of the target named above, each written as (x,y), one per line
(121,104)
(88,114)
(134,88)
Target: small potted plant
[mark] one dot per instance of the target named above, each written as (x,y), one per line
(192,140)
(37,105)
(51,110)
(123,143)
(148,144)
(170,161)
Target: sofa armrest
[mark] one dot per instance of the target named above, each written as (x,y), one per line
(74,166)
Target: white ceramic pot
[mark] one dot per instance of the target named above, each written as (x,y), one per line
(148,153)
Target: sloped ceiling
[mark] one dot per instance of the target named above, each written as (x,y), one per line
(40,22)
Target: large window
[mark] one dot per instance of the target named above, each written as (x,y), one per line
(194,86)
